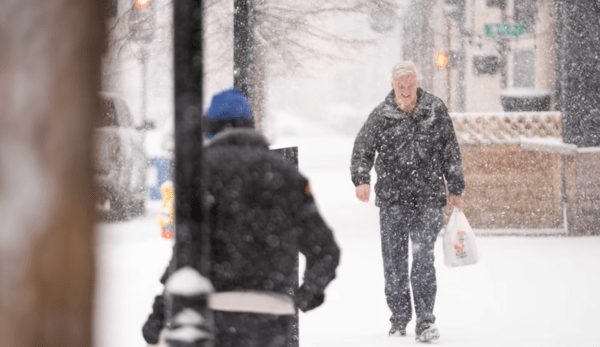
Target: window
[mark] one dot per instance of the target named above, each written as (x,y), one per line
(525,12)
(485,64)
(524,69)
(496,3)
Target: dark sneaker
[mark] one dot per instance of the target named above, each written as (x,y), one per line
(426,331)
(398,329)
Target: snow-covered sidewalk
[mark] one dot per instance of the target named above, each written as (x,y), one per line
(525,291)
(537,291)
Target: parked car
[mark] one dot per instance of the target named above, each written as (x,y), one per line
(120,161)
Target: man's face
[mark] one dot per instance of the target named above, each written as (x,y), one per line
(406,89)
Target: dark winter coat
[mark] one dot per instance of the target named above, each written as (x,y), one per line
(263,214)
(414,154)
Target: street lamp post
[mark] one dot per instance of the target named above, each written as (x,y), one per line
(190,321)
(142,19)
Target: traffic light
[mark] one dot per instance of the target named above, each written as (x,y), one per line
(441,59)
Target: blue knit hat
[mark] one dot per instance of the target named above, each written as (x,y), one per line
(228,109)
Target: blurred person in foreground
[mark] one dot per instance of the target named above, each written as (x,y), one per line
(262,214)
(412,136)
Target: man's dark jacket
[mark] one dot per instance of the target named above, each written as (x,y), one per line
(262,214)
(414,154)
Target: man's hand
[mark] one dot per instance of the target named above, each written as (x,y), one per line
(362,192)
(455,200)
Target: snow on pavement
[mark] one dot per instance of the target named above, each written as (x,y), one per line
(131,258)
(525,291)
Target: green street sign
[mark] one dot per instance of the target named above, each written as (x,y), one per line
(503,29)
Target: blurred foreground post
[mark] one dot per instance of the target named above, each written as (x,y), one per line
(49,79)
(190,322)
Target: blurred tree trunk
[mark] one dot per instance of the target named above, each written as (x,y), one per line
(248,58)
(49,78)
(259,93)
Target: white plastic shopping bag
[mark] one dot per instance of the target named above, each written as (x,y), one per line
(459,241)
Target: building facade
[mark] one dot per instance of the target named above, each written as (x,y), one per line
(497,51)
(521,79)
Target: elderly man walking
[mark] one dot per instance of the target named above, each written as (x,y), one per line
(411,137)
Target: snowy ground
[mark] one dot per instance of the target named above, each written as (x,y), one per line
(537,291)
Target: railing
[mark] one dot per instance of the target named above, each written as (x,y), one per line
(497,127)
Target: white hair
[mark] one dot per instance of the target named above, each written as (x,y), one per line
(403,69)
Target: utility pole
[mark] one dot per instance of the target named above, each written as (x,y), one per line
(190,320)
(243,48)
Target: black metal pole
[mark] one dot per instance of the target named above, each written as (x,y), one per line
(243,47)
(187,289)
(190,226)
